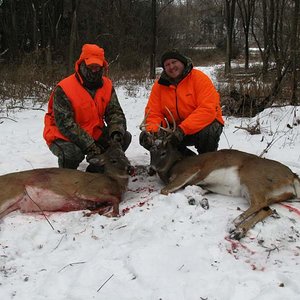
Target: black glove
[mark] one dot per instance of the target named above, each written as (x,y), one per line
(93,153)
(146,140)
(177,136)
(117,137)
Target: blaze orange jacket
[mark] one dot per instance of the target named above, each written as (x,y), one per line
(194,104)
(88,112)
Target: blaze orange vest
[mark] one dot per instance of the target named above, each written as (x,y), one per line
(88,112)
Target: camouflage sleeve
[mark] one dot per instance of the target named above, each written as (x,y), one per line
(65,121)
(114,116)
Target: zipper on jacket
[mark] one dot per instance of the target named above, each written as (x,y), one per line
(176,102)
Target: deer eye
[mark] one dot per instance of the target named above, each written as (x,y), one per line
(163,153)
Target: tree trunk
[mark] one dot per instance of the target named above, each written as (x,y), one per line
(154,39)
(294,52)
(73,37)
(268,19)
(229,21)
(13,40)
(246,8)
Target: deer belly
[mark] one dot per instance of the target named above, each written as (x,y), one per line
(37,199)
(224,181)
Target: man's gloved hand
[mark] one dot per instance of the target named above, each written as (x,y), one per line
(177,136)
(146,139)
(93,152)
(117,137)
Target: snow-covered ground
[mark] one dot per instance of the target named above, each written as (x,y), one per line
(161,247)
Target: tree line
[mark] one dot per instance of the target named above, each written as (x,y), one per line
(135,32)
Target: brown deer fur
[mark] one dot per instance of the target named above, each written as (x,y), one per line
(57,189)
(229,172)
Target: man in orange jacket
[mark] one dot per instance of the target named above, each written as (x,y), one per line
(193,101)
(77,110)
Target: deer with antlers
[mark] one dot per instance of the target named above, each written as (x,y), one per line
(228,172)
(58,189)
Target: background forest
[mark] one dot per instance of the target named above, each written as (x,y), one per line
(41,39)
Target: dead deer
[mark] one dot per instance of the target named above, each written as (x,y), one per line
(228,172)
(57,189)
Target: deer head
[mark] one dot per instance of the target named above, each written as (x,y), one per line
(163,154)
(115,164)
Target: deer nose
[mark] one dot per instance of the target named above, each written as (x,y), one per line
(131,170)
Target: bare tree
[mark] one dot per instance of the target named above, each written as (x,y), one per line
(246,8)
(154,40)
(264,16)
(229,23)
(295,50)
(9,26)
(73,35)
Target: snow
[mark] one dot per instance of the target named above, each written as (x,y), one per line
(161,247)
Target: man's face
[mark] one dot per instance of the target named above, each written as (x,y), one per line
(92,73)
(173,67)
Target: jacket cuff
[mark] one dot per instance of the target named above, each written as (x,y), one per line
(113,129)
(180,128)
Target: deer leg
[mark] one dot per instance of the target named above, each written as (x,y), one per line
(245,215)
(103,207)
(258,202)
(105,211)
(8,206)
(180,181)
(243,228)
(10,209)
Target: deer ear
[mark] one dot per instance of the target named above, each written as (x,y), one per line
(97,161)
(165,142)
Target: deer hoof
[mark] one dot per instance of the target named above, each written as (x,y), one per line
(164,192)
(111,214)
(204,203)
(232,228)
(237,234)
(191,201)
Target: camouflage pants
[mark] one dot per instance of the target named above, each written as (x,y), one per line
(206,140)
(70,155)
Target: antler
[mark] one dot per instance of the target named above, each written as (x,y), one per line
(143,125)
(150,137)
(163,132)
(168,129)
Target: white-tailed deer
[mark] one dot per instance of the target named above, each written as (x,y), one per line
(228,172)
(57,189)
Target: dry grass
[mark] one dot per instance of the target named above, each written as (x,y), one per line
(32,83)
(241,93)
(246,93)
(23,83)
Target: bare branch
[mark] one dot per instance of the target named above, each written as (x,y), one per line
(102,285)
(71,265)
